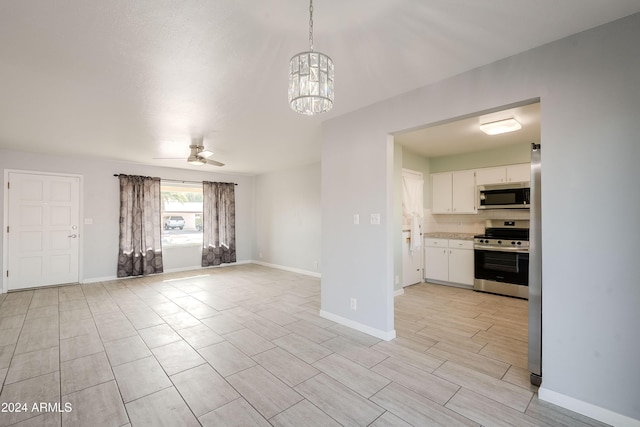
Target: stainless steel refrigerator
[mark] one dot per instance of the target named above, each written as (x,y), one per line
(535,271)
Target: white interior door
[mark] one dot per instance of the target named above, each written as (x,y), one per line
(43,233)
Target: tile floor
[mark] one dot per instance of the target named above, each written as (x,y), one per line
(244,345)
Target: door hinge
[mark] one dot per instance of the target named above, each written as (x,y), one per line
(7,273)
(8,185)
(7,228)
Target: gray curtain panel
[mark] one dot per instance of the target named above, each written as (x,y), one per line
(219,223)
(140,226)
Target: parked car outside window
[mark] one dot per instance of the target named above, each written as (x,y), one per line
(174,221)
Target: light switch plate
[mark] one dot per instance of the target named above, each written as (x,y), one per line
(375,219)
(356,219)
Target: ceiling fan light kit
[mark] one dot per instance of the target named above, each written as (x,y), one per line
(199,156)
(311,78)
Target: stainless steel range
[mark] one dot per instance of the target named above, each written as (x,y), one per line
(502,258)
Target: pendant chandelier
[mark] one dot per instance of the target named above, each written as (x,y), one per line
(311,78)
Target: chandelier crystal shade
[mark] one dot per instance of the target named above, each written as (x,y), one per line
(311,78)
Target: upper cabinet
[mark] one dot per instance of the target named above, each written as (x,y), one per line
(503,174)
(453,192)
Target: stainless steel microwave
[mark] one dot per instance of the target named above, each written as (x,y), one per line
(514,195)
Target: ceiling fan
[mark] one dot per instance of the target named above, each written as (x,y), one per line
(198,156)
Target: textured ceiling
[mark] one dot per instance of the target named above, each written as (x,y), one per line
(136,80)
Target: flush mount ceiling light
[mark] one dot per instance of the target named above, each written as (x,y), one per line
(500,126)
(311,79)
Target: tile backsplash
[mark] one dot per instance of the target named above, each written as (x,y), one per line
(469,223)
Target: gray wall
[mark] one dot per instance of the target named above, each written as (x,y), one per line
(589,88)
(287,212)
(100,202)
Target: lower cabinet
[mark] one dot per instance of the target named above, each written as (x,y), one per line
(448,260)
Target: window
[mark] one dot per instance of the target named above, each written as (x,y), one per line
(181,214)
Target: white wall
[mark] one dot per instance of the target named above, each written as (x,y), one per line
(589,88)
(287,212)
(100,202)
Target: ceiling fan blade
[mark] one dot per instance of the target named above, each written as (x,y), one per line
(168,158)
(213,162)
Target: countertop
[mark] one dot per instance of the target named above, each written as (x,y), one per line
(452,236)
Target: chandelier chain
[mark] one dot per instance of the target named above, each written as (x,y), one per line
(311,25)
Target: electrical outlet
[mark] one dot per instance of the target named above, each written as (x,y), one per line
(397,280)
(315,265)
(354,304)
(260,255)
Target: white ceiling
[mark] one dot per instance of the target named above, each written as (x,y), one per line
(133,80)
(465,136)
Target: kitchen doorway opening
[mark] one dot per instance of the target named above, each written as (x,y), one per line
(453,151)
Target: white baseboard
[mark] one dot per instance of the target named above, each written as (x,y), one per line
(383,335)
(283,267)
(587,409)
(171,270)
(398,292)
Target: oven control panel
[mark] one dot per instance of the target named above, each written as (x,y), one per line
(501,244)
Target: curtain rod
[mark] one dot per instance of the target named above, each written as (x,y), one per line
(177,180)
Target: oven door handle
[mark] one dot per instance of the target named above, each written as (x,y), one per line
(502,249)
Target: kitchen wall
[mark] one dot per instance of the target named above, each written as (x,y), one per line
(589,88)
(101,201)
(509,155)
(287,211)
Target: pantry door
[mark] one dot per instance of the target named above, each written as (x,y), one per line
(43,230)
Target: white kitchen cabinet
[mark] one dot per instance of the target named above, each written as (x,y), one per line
(453,192)
(519,173)
(449,261)
(486,176)
(441,191)
(463,199)
(436,259)
(502,174)
(461,259)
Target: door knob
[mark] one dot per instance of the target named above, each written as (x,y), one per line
(73,236)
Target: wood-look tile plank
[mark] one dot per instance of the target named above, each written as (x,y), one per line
(237,413)
(417,409)
(469,359)
(302,348)
(428,385)
(33,364)
(140,378)
(285,366)
(427,362)
(338,401)
(248,341)
(204,389)
(263,391)
(305,414)
(485,385)
(356,377)
(162,408)
(225,358)
(45,388)
(488,412)
(84,372)
(352,350)
(310,331)
(177,357)
(100,405)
